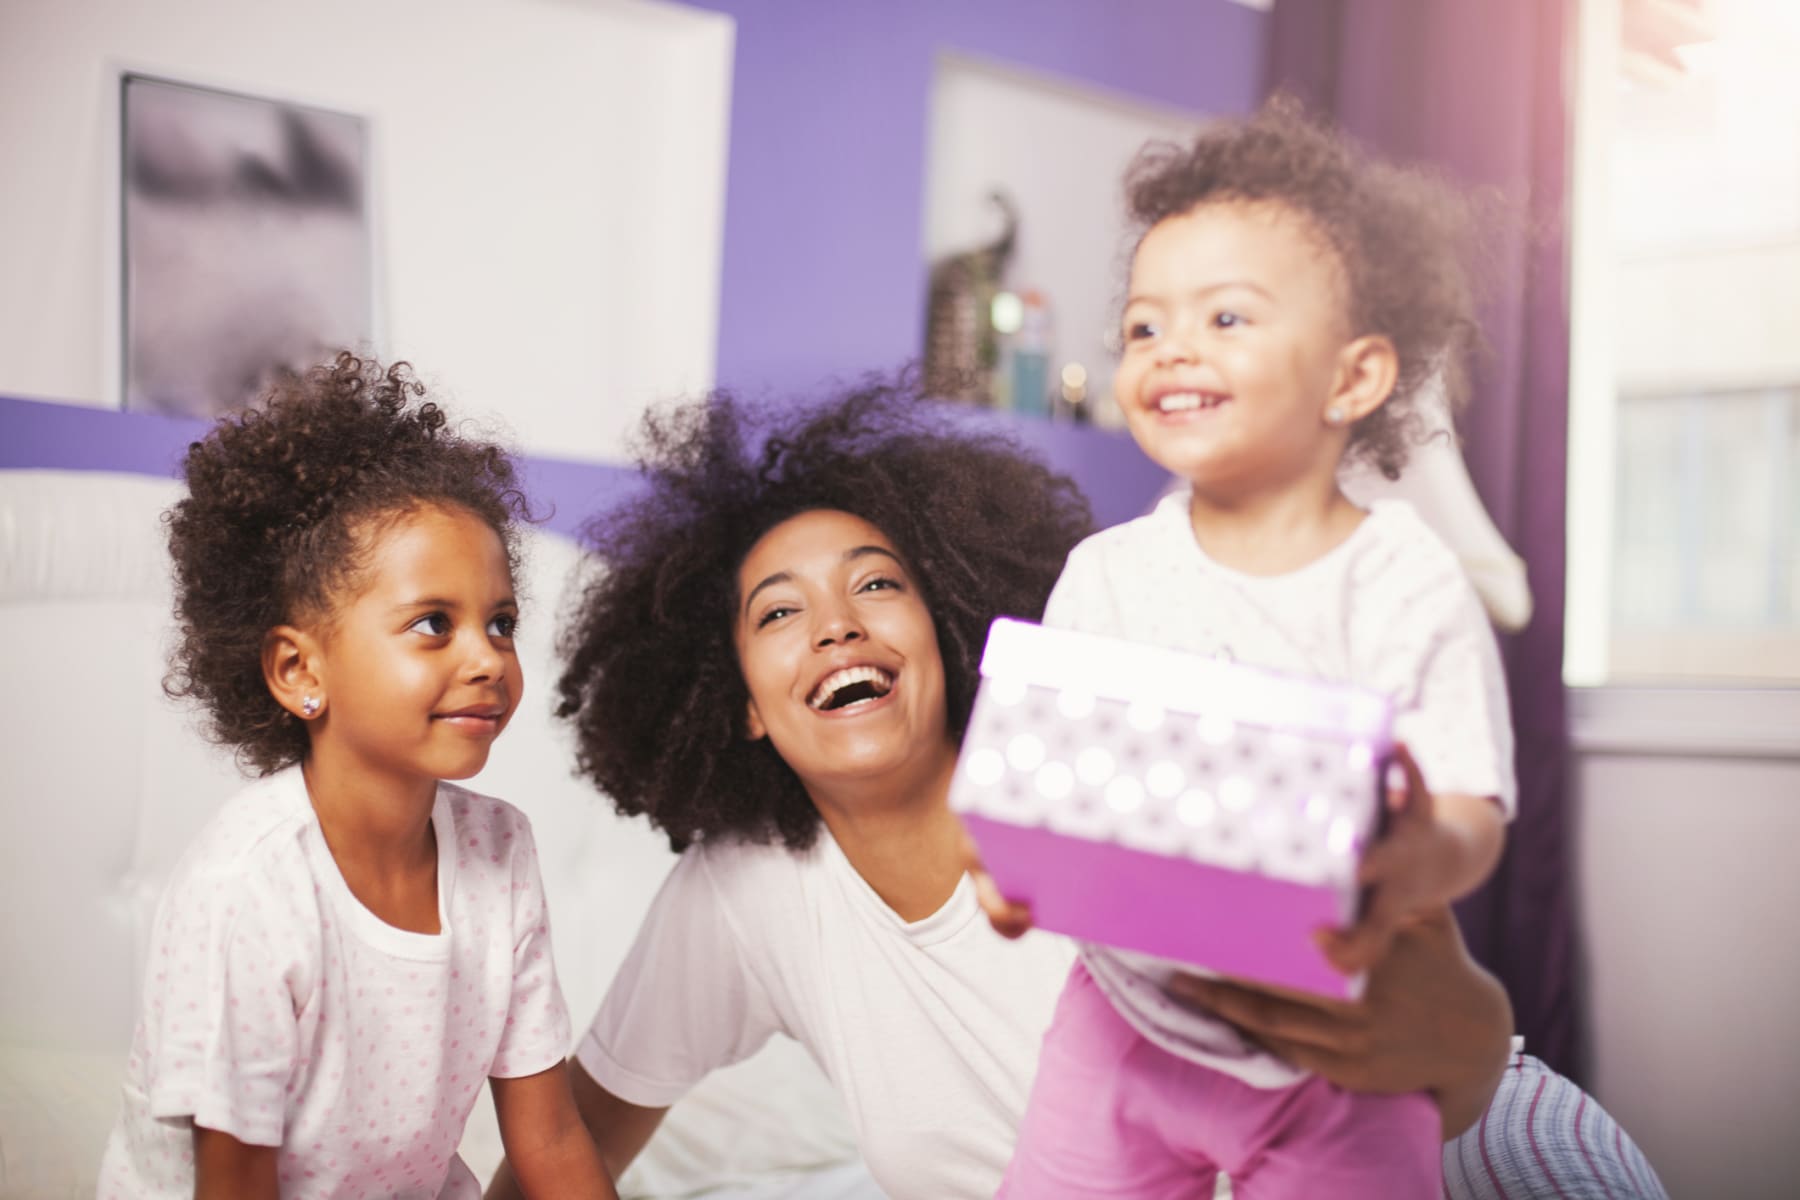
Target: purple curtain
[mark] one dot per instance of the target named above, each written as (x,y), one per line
(1478,90)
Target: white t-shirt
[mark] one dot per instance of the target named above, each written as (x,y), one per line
(1388,609)
(281,1011)
(928,1030)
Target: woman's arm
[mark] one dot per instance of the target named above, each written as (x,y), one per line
(618,1130)
(227,1169)
(1430,1019)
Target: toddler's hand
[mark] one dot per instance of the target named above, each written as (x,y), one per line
(1009,920)
(1404,872)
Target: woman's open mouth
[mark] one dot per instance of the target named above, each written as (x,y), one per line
(852,687)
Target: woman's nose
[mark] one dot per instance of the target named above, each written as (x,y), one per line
(837,625)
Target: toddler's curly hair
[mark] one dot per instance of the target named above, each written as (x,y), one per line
(651,679)
(275,529)
(1404,239)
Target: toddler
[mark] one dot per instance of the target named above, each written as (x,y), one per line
(1287,300)
(351,946)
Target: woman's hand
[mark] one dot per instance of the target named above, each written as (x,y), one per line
(1430,1020)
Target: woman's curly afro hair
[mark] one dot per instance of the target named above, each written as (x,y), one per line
(651,680)
(275,527)
(1403,237)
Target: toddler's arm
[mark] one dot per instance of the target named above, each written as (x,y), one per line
(227,1169)
(1437,849)
(547,1145)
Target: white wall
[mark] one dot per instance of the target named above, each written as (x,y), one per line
(1687,807)
(549,184)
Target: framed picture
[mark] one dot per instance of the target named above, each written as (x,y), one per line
(245,242)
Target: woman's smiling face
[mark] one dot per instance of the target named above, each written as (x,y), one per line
(840,654)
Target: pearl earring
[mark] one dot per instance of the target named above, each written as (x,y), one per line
(1334,415)
(309,706)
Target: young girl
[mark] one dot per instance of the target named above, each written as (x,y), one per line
(351,946)
(1286,303)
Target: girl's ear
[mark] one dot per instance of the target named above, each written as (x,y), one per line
(754,729)
(1367,369)
(290,661)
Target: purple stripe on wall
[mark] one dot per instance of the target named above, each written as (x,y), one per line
(38,435)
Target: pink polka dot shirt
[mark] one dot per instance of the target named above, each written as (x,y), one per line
(281,1011)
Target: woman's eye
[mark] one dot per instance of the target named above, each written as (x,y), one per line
(504,625)
(435,624)
(880,583)
(773,614)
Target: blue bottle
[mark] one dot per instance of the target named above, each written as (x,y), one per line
(1031,357)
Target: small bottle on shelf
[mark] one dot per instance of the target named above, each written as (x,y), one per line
(1031,357)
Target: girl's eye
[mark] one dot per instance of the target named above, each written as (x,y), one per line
(504,625)
(435,624)
(1137,331)
(881,583)
(1226,320)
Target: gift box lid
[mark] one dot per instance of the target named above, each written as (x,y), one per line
(1021,655)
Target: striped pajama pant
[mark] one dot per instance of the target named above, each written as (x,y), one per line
(1544,1137)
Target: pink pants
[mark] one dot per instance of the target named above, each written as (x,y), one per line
(1112,1114)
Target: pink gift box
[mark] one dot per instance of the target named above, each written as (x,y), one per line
(1183,806)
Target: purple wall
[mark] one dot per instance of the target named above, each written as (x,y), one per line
(823,275)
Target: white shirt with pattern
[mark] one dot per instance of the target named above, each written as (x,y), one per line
(281,1011)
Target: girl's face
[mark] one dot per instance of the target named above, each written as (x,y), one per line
(839,653)
(1234,329)
(417,666)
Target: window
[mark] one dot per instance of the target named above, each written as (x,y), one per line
(1684,454)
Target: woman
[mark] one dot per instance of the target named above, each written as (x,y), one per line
(775,668)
